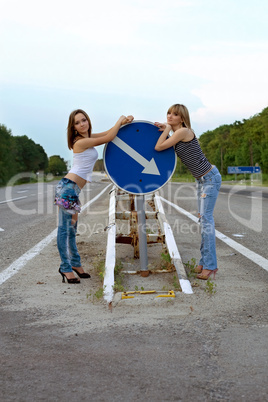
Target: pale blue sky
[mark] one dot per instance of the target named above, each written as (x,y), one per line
(129,57)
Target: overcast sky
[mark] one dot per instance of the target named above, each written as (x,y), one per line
(129,57)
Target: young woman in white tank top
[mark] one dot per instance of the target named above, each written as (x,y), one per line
(82,142)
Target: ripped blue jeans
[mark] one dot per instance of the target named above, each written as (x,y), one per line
(67,198)
(208,187)
(66,242)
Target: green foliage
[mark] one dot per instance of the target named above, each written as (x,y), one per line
(210,287)
(100,268)
(176,283)
(118,277)
(166,257)
(99,165)
(30,157)
(96,296)
(239,144)
(19,154)
(7,155)
(56,165)
(190,268)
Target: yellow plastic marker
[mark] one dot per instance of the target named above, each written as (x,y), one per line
(125,295)
(144,292)
(170,294)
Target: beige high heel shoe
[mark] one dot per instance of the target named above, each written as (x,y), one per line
(198,269)
(205,276)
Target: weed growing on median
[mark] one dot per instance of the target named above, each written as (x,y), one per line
(210,287)
(118,277)
(166,263)
(166,257)
(176,283)
(137,288)
(190,268)
(100,269)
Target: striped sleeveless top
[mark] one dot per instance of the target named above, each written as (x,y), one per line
(193,158)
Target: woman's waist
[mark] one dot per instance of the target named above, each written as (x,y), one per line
(211,172)
(76,179)
(212,166)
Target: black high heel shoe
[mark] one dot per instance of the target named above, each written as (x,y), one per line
(71,280)
(83,275)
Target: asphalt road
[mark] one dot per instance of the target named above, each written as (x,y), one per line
(27,215)
(57,345)
(241,212)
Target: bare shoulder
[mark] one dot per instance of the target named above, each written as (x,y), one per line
(83,144)
(189,134)
(183,134)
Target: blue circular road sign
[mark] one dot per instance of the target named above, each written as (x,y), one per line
(132,163)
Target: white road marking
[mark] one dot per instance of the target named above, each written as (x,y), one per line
(12,199)
(251,255)
(21,262)
(2,230)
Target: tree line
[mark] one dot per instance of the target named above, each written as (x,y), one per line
(19,154)
(243,143)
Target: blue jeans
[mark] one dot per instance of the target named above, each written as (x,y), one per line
(66,242)
(208,187)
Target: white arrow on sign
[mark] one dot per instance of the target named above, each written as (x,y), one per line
(150,167)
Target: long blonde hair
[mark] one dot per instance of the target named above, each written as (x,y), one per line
(72,135)
(183,112)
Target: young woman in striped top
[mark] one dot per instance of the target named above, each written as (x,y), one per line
(208,180)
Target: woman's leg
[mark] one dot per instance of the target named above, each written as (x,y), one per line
(199,189)
(74,255)
(62,243)
(62,240)
(208,200)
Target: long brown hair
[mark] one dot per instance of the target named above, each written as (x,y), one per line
(182,111)
(71,132)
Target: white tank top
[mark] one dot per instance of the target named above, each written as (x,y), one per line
(83,163)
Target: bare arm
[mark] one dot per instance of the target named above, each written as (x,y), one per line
(165,142)
(127,119)
(101,138)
